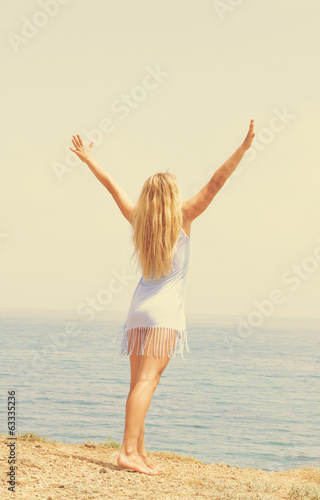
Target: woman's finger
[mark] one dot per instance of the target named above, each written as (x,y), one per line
(72,150)
(79,138)
(76,141)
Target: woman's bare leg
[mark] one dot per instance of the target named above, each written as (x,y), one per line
(136,409)
(135,367)
(138,402)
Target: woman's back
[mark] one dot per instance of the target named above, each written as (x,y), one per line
(181,261)
(158,307)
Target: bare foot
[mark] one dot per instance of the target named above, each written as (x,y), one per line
(150,463)
(136,463)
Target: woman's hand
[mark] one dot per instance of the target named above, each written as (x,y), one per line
(83,153)
(249,138)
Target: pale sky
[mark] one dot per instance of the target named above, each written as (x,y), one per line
(167,84)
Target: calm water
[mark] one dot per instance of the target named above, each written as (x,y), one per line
(251,401)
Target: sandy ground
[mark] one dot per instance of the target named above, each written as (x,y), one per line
(51,471)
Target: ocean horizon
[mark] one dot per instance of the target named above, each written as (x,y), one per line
(245,396)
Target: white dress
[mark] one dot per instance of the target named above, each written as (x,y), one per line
(156,318)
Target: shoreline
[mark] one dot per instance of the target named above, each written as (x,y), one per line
(51,470)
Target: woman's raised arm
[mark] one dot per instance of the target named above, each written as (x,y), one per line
(118,194)
(196,205)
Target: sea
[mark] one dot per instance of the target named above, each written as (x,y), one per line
(246,395)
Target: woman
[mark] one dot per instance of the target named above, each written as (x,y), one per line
(155,327)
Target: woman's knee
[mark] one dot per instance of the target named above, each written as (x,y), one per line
(151,378)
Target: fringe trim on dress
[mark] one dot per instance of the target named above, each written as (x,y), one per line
(166,341)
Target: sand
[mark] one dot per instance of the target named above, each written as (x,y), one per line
(53,470)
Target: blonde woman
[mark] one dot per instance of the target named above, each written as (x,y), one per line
(155,328)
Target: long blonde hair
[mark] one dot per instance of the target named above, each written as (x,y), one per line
(156,223)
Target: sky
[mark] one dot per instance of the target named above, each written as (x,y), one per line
(160,85)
